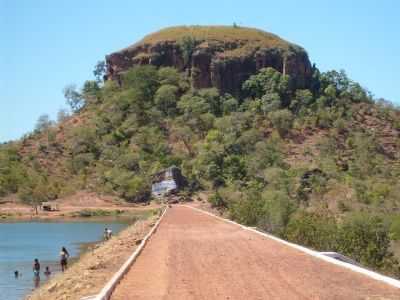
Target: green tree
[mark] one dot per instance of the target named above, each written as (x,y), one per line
(136,189)
(35,190)
(187,45)
(144,79)
(234,168)
(100,71)
(212,97)
(193,106)
(166,98)
(74,99)
(12,169)
(169,75)
(229,104)
(302,99)
(91,92)
(187,136)
(269,82)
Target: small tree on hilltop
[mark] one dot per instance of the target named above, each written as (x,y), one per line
(100,70)
(74,98)
(43,123)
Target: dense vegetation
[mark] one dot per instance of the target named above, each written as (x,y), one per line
(319,167)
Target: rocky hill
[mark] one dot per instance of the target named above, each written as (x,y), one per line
(307,155)
(215,56)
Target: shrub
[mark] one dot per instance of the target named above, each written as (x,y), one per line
(277,210)
(342,207)
(395,228)
(366,239)
(217,201)
(313,230)
(136,189)
(248,210)
(229,104)
(282,120)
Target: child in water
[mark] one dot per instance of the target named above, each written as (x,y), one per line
(47,272)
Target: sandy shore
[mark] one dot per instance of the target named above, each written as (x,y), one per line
(92,271)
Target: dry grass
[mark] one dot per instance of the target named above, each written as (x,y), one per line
(226,34)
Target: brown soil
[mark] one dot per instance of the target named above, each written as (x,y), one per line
(12,209)
(93,270)
(195,256)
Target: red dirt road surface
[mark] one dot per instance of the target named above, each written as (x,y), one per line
(195,256)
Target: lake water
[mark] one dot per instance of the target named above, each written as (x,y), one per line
(22,242)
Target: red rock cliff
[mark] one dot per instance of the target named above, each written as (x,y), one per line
(217,56)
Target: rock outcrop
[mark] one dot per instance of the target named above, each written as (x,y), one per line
(215,56)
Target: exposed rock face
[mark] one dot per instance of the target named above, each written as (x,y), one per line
(221,57)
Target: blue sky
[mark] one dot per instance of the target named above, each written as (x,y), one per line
(46,45)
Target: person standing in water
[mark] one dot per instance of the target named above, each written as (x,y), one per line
(36,273)
(36,267)
(64,255)
(109,233)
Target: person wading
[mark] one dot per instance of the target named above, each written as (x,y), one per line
(47,272)
(36,267)
(64,255)
(36,273)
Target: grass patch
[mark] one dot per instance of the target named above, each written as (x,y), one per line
(226,34)
(5,215)
(130,215)
(87,213)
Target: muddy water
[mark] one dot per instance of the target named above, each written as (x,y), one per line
(22,242)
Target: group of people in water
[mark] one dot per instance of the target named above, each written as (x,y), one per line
(64,255)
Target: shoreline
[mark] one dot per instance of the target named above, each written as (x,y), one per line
(73,213)
(80,204)
(96,264)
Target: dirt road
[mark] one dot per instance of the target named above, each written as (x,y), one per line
(195,256)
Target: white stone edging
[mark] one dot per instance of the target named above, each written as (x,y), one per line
(319,255)
(107,290)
